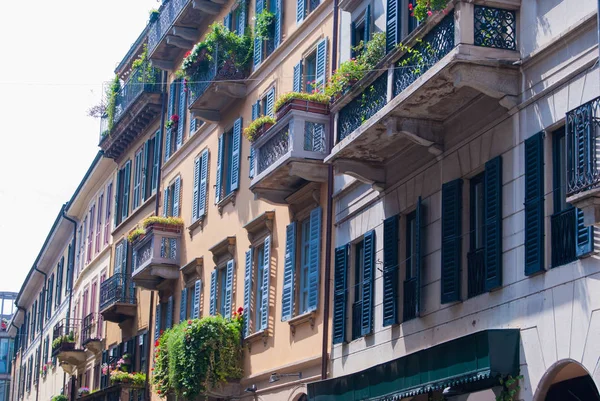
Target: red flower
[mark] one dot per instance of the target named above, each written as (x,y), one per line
(410,6)
(156,343)
(162,331)
(429,13)
(174,118)
(187,54)
(189,322)
(240,310)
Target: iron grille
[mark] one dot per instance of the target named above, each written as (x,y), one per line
(495,27)
(117,289)
(272,150)
(476,272)
(142,80)
(163,24)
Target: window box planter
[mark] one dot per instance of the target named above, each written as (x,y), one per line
(303,105)
(264,128)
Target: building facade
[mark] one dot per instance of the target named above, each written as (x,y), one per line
(7,343)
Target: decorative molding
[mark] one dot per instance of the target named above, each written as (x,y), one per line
(368,173)
(306,198)
(302,319)
(225,249)
(260,226)
(196,224)
(193,270)
(256,337)
(226,200)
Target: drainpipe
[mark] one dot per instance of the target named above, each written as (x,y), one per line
(14,366)
(39,361)
(71,270)
(329,223)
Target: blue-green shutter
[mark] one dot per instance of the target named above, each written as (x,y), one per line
(278,21)
(255,110)
(321,67)
(255,115)
(146,169)
(169,313)
(493,223)
(297,79)
(314,258)
(157,322)
(251,160)
(247,290)
(183,305)
(367,33)
(172,98)
(368,278)
(176,196)
(451,240)
(340,293)
(390,270)
(270,103)
(300,10)
(264,324)
(241,28)
(137,182)
(220,169)
(229,288)
(534,204)
(182,113)
(168,144)
(227,21)
(584,236)
(289,273)
(117,216)
(258,42)
(203,184)
(196,190)
(59,278)
(418,257)
(235,155)
(166,203)
(213,293)
(155,167)
(196,303)
(193,125)
(126,186)
(392,24)
(49,300)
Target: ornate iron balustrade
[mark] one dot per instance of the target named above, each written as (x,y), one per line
(583,148)
(161,27)
(356,320)
(563,229)
(362,107)
(476,272)
(410,300)
(434,46)
(142,80)
(117,289)
(89,331)
(63,329)
(495,27)
(272,150)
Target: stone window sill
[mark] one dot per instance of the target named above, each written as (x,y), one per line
(308,317)
(256,337)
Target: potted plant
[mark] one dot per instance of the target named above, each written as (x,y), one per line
(169,224)
(154,14)
(258,127)
(311,102)
(59,397)
(136,235)
(426,8)
(83,391)
(173,122)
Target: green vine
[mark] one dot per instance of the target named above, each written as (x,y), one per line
(510,388)
(144,65)
(251,130)
(111,94)
(264,24)
(198,355)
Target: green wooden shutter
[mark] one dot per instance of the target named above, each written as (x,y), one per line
(493,223)
(270,103)
(176,196)
(203,184)
(227,21)
(195,196)
(255,110)
(183,305)
(297,79)
(289,273)
(247,291)
(145,173)
(264,323)
(197,289)
(172,98)
(229,288)
(368,278)
(321,67)
(126,186)
(451,240)
(118,193)
(182,114)
(367,33)
(584,236)
(166,203)
(534,204)
(137,180)
(392,25)
(220,169)
(59,279)
(168,144)
(278,21)
(235,155)
(156,160)
(118,257)
(213,293)
(418,257)
(300,10)
(340,293)
(258,42)
(314,258)
(157,322)
(390,270)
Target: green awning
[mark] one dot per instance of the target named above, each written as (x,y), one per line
(479,357)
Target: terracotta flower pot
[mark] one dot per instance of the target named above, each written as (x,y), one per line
(303,105)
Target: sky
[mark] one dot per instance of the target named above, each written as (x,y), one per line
(54,58)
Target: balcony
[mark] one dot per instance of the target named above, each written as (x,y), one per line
(212,92)
(156,256)
(137,105)
(583,161)
(117,392)
(91,333)
(65,346)
(117,298)
(465,58)
(178,28)
(290,154)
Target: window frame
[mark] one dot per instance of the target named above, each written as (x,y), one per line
(476,230)
(355,285)
(302,269)
(221,289)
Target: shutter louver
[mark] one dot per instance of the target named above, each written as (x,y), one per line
(278,21)
(229,288)
(321,67)
(195,196)
(227,21)
(176,196)
(197,289)
(314,258)
(340,294)
(235,155)
(368,278)
(584,236)
(182,113)
(247,291)
(534,204)
(367,33)
(451,240)
(241,28)
(270,103)
(390,270)
(147,168)
(221,150)
(166,203)
(157,322)
(266,284)
(203,184)
(297,79)
(289,273)
(392,24)
(213,293)
(117,218)
(126,185)
(493,223)
(300,10)
(258,42)
(183,305)
(156,160)
(169,322)
(418,258)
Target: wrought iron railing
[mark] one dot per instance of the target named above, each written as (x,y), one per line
(67,330)
(476,272)
(89,330)
(356,320)
(434,46)
(563,228)
(273,149)
(117,289)
(362,107)
(410,300)
(142,80)
(161,27)
(495,27)
(583,148)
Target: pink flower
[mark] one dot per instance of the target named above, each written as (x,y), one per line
(429,13)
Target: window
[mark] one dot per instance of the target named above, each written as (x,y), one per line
(221,289)
(4,355)
(263,47)
(304,266)
(122,198)
(177,106)
(200,186)
(305,7)
(99,226)
(310,73)
(256,285)
(259,287)
(476,256)
(109,196)
(360,29)
(172,198)
(236,20)
(228,162)
(142,351)
(145,176)
(310,63)
(411,245)
(90,235)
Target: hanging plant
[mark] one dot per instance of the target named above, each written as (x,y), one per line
(147,73)
(264,24)
(510,388)
(426,8)
(173,121)
(111,94)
